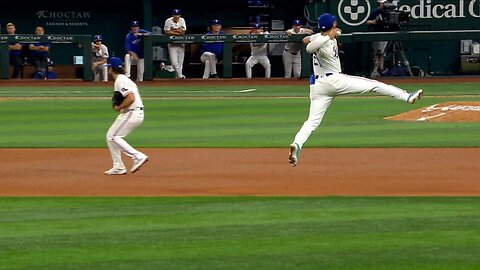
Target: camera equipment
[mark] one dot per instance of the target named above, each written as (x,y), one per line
(392,21)
(394,17)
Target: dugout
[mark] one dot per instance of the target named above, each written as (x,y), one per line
(439,56)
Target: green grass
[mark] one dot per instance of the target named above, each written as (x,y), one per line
(239,122)
(240,233)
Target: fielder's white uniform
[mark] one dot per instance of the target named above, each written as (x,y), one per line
(330,82)
(128,119)
(292,57)
(100,70)
(176,51)
(258,55)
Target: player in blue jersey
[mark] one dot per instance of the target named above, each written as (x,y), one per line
(134,50)
(212,52)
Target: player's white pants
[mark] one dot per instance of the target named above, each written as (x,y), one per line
(177,55)
(100,71)
(253,60)
(292,63)
(140,66)
(121,127)
(326,88)
(210,61)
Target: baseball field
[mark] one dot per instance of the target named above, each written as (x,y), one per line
(380,184)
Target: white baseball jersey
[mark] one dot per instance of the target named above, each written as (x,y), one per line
(259,49)
(171,25)
(125,86)
(295,47)
(325,54)
(100,54)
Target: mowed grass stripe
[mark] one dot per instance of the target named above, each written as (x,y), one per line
(236,232)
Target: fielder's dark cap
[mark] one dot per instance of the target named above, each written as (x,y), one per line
(256,26)
(97,38)
(115,62)
(176,12)
(216,22)
(135,24)
(325,21)
(296,22)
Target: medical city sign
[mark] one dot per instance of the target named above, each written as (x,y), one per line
(356,12)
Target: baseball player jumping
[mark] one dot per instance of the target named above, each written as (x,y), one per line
(130,107)
(329,82)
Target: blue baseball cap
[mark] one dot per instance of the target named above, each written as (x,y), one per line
(216,22)
(256,26)
(135,24)
(115,62)
(296,22)
(325,21)
(176,12)
(97,38)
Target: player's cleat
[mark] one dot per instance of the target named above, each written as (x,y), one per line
(415,96)
(293,154)
(116,171)
(137,163)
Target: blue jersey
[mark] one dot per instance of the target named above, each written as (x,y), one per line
(40,53)
(135,43)
(214,47)
(14,52)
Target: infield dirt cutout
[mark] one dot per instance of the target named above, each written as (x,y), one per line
(458,111)
(254,171)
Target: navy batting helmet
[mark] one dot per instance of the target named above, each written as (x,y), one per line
(97,38)
(115,62)
(325,21)
(176,12)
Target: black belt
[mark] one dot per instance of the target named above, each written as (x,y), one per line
(291,52)
(326,74)
(139,108)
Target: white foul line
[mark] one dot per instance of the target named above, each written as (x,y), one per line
(246,90)
(430,117)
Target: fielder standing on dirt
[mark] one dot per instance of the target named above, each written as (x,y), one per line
(329,82)
(127,101)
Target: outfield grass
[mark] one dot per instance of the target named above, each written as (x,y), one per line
(228,119)
(240,233)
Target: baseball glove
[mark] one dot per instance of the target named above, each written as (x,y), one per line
(117,99)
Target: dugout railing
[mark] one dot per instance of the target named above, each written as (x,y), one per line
(84,40)
(228,40)
(355,37)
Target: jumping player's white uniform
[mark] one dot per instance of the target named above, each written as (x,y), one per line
(258,55)
(128,119)
(176,50)
(292,57)
(330,82)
